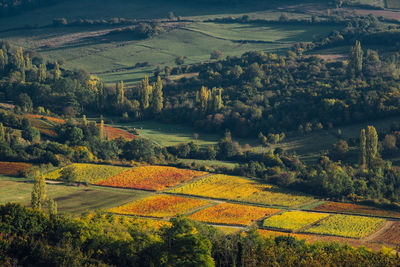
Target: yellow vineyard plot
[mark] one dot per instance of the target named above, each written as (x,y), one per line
(160,206)
(90,173)
(226,213)
(347,226)
(293,220)
(240,189)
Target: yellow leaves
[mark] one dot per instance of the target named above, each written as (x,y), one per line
(347,226)
(151,178)
(293,220)
(226,213)
(240,189)
(89,172)
(160,206)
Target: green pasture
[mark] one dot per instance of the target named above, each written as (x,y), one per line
(281,34)
(218,163)
(71,199)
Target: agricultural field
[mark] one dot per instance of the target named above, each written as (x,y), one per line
(282,34)
(13,168)
(391,236)
(114,133)
(155,178)
(356,209)
(70,199)
(44,127)
(293,220)
(392,4)
(160,206)
(242,190)
(347,226)
(269,233)
(172,134)
(90,173)
(227,213)
(46,118)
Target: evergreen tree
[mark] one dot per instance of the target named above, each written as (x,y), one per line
(157,101)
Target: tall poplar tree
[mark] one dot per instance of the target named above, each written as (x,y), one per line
(355,64)
(2,133)
(144,93)
(371,144)
(363,149)
(42,73)
(57,71)
(157,101)
(2,60)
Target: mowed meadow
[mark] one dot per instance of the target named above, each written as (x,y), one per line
(236,203)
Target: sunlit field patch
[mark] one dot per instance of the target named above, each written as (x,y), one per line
(240,189)
(293,220)
(151,178)
(160,206)
(226,213)
(347,226)
(90,173)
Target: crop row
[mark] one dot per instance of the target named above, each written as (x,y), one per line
(226,213)
(293,220)
(240,189)
(151,178)
(90,173)
(160,206)
(12,168)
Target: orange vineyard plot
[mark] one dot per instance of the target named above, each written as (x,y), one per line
(12,168)
(226,213)
(391,236)
(154,178)
(51,119)
(160,206)
(356,209)
(114,133)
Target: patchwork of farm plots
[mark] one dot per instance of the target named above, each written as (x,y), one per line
(160,206)
(13,168)
(154,178)
(226,213)
(242,190)
(214,192)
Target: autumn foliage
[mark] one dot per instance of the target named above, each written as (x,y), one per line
(227,213)
(155,178)
(160,206)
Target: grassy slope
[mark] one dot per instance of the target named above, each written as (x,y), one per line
(69,198)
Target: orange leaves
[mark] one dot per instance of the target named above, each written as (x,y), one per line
(51,119)
(114,133)
(12,168)
(155,178)
(160,206)
(226,213)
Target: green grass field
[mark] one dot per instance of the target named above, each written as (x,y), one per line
(71,199)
